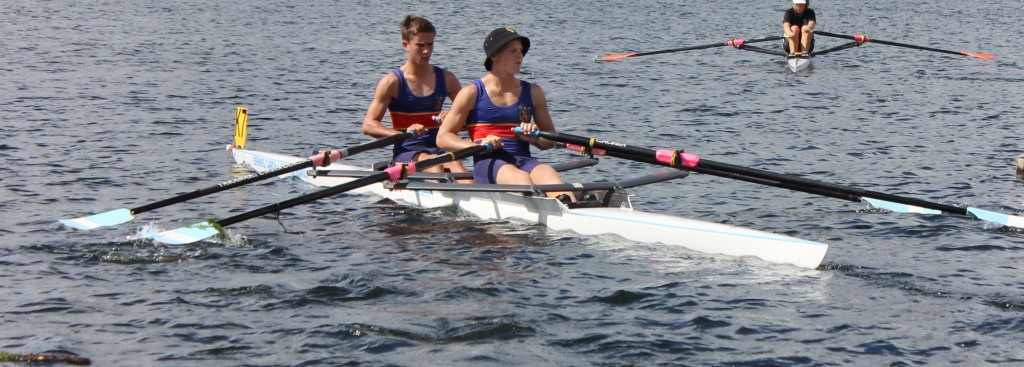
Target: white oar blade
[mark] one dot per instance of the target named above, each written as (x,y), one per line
(185,235)
(111,218)
(1004,219)
(897,207)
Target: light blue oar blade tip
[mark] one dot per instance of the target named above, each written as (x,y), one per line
(1004,219)
(111,218)
(897,207)
(185,235)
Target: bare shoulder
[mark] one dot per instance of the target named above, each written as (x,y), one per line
(469,91)
(388,84)
(389,78)
(536,91)
(451,79)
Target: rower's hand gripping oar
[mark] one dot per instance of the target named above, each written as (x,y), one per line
(735,42)
(123,215)
(678,159)
(203,230)
(862,39)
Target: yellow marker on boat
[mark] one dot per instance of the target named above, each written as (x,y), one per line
(241,123)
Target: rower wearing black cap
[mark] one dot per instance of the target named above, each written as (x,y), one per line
(494,105)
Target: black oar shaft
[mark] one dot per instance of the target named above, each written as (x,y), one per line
(379,143)
(701,47)
(679,49)
(763,50)
(802,182)
(780,184)
(916,47)
(837,48)
(600,144)
(334,190)
(376,144)
(351,185)
(890,43)
(223,186)
(647,155)
(765,39)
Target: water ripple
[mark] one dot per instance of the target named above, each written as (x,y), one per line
(121,104)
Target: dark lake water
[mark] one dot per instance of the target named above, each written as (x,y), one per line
(118,104)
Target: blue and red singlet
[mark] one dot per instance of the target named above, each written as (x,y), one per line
(486,118)
(408,109)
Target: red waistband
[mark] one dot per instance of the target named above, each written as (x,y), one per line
(501,130)
(401,120)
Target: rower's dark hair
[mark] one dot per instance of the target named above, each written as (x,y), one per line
(414,24)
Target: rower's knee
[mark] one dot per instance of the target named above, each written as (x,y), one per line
(545,175)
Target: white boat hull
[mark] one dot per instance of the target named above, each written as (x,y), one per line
(705,237)
(797,64)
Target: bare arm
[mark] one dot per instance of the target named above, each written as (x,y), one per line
(452,84)
(386,91)
(541,117)
(448,134)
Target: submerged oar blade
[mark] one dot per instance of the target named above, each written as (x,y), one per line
(613,57)
(980,55)
(897,207)
(186,235)
(106,219)
(1004,219)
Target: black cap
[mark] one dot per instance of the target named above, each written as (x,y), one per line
(499,37)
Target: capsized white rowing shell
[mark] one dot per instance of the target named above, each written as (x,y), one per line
(621,220)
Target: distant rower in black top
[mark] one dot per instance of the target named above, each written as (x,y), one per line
(798,23)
